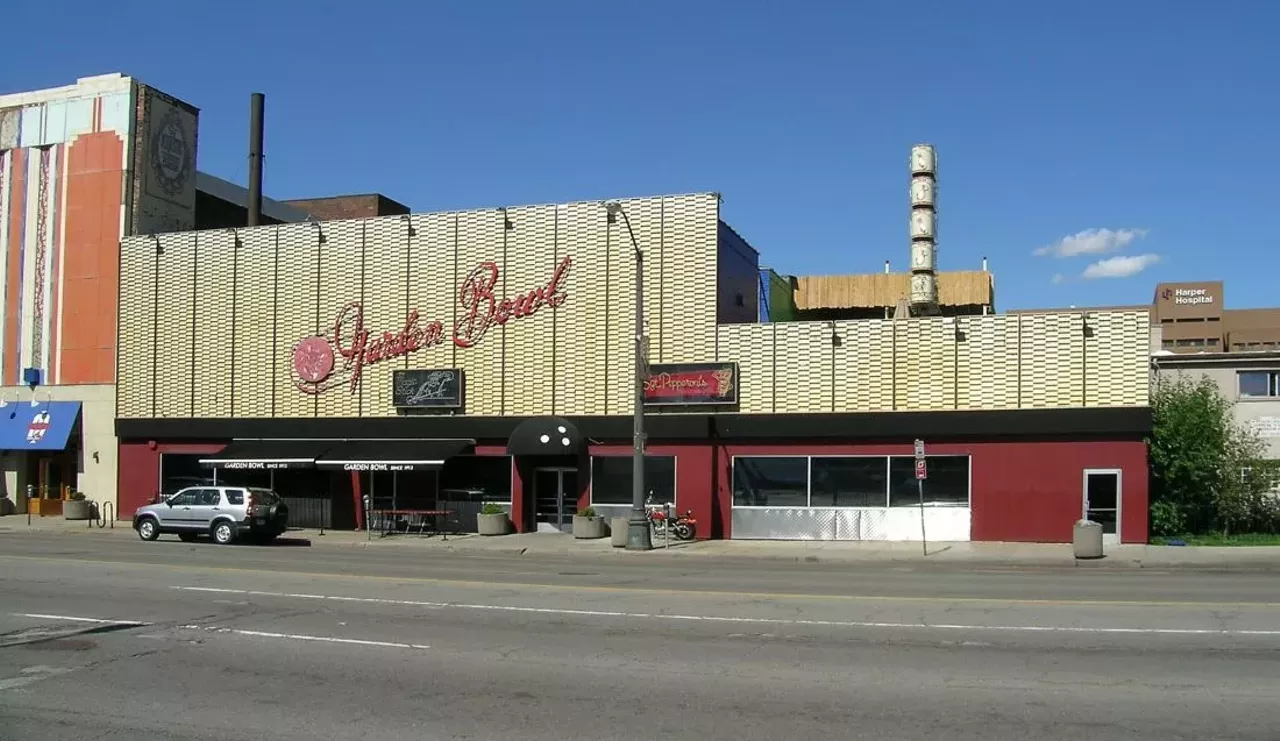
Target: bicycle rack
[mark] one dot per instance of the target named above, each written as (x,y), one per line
(101,519)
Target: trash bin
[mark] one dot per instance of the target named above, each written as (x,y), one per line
(1086,539)
(618,529)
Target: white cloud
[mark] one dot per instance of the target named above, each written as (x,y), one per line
(1058,278)
(1092,242)
(1120,267)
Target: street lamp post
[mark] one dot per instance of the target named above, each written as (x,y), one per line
(638,535)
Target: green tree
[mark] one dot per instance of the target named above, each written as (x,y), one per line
(1198,456)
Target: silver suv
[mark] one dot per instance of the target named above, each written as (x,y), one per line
(223,512)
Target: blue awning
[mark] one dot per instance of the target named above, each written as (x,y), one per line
(45,426)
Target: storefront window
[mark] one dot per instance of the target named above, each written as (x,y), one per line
(180,470)
(468,482)
(946,486)
(480,478)
(849,482)
(611,479)
(771,481)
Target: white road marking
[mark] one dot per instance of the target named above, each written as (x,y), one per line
(748,620)
(33,674)
(74,619)
(303,637)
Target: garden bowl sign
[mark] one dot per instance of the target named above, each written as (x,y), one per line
(322,362)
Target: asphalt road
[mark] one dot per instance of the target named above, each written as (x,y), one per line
(109,638)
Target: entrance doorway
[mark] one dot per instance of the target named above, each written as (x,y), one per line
(1102,499)
(555,499)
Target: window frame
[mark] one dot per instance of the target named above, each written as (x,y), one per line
(591,479)
(888,458)
(1273,384)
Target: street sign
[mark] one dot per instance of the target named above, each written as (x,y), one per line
(922,470)
(919,450)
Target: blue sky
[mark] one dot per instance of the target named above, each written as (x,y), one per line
(1142,132)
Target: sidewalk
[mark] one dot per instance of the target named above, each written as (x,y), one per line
(955,555)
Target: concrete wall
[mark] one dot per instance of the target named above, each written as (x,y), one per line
(96,477)
(1263,414)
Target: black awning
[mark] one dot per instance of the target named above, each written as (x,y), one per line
(267,454)
(392,455)
(545,436)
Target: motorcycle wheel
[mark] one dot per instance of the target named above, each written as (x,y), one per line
(682,531)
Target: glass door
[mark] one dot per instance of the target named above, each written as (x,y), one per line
(1102,501)
(555,493)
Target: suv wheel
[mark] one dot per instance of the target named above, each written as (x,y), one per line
(223,533)
(148,529)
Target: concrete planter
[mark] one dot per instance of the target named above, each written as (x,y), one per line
(618,530)
(495,524)
(588,528)
(77,509)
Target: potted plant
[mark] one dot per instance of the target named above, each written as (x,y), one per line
(588,525)
(77,507)
(492,520)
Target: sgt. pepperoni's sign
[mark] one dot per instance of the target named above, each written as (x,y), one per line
(323,362)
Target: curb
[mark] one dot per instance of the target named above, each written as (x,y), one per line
(687,553)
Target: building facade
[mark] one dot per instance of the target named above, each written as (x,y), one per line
(446,360)
(80,167)
(1192,318)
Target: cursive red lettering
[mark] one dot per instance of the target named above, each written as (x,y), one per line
(481,310)
(477,300)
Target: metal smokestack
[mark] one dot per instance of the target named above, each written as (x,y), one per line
(924,229)
(256,103)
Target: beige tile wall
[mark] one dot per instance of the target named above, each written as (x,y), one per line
(256,300)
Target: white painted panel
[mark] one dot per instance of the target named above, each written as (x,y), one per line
(79,117)
(32,134)
(116,114)
(55,122)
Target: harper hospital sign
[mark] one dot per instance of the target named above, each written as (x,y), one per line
(323,362)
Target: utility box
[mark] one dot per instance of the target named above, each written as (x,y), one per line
(1086,539)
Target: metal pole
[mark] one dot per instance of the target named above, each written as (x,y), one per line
(638,536)
(923,542)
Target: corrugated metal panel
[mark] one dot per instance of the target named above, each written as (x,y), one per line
(864,374)
(925,376)
(255,329)
(479,242)
(987,371)
(1115,374)
(341,264)
(432,292)
(619,308)
(385,294)
(580,322)
(214,312)
(751,347)
(137,328)
(296,314)
(531,262)
(176,356)
(1052,360)
(689,270)
(804,381)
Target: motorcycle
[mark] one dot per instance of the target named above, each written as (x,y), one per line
(682,525)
